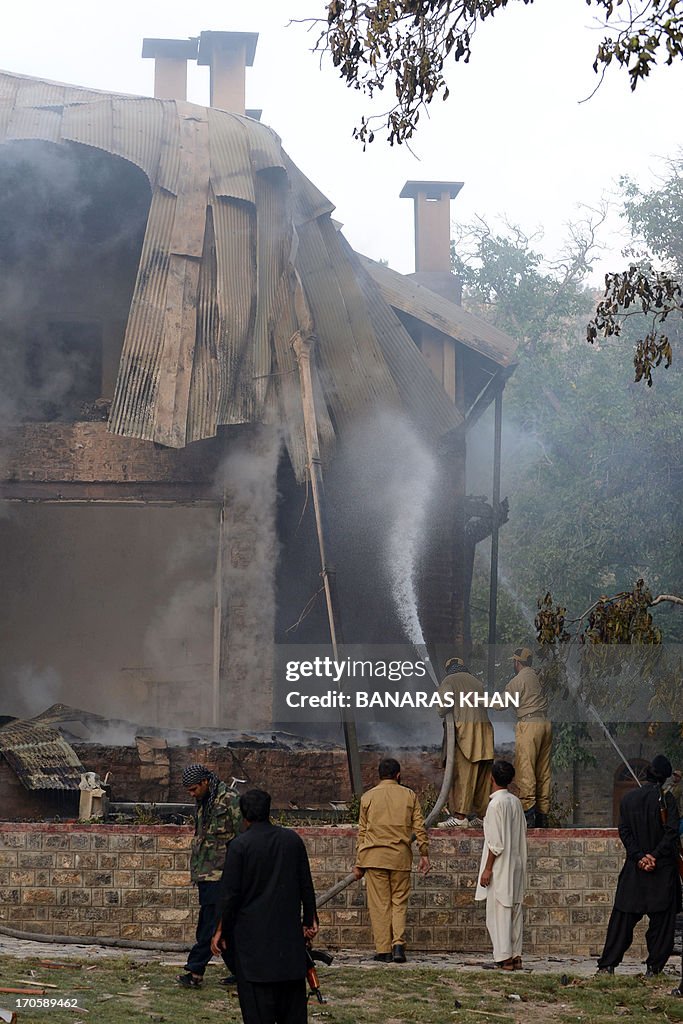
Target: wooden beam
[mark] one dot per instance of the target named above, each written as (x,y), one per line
(111,492)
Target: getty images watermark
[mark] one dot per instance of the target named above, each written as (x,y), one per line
(343,672)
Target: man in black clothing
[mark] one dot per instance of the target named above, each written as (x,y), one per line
(648,883)
(266,884)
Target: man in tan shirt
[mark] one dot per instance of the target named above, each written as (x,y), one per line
(390,815)
(471,783)
(533,740)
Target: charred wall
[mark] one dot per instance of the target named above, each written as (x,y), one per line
(110,551)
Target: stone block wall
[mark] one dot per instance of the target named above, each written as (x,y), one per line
(133,883)
(97,880)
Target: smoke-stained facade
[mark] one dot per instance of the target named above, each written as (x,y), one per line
(158,261)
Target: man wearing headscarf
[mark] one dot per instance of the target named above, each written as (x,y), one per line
(213,830)
(648,883)
(471,783)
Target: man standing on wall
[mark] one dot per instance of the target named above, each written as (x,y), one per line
(533,740)
(502,874)
(213,830)
(390,815)
(471,783)
(648,882)
(268,913)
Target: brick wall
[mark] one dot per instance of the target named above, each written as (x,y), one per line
(88,452)
(308,777)
(133,883)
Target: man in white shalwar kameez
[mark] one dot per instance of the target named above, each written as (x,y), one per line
(502,874)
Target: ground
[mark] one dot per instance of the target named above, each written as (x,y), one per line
(116,987)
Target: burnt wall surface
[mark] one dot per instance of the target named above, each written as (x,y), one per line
(304,777)
(87,452)
(308,778)
(111,558)
(587,797)
(133,883)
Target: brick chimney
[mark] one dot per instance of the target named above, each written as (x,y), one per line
(170,65)
(432,206)
(227,54)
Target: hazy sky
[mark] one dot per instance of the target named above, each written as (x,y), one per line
(513,129)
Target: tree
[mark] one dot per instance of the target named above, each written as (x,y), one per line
(593,470)
(650,287)
(508,281)
(406,43)
(613,657)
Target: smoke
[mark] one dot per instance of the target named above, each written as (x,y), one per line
(71,225)
(34,690)
(247,481)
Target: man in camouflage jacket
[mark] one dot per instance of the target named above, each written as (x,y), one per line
(214,828)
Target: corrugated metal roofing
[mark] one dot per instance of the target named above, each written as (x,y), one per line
(403,293)
(232,225)
(41,758)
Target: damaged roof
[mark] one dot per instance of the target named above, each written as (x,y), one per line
(234,231)
(477,334)
(41,758)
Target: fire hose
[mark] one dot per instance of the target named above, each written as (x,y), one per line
(429,820)
(92,940)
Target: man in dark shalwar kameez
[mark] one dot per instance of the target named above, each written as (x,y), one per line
(648,883)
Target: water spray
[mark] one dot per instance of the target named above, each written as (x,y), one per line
(575,692)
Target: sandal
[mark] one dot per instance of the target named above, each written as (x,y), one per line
(517,963)
(506,965)
(188,980)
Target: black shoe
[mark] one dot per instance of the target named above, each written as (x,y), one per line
(605,970)
(677,993)
(188,980)
(651,972)
(384,958)
(230,980)
(399,953)
(541,820)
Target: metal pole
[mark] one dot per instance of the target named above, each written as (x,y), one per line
(302,348)
(493,586)
(218,620)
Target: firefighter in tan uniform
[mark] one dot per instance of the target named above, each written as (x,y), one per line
(390,815)
(471,785)
(533,740)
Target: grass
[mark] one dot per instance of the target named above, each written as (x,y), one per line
(125,992)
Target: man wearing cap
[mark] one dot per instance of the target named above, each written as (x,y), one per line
(648,882)
(213,830)
(533,740)
(471,782)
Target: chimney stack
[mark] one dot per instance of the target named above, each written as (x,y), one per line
(432,205)
(170,65)
(227,54)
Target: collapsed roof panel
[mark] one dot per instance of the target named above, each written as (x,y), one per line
(41,758)
(232,222)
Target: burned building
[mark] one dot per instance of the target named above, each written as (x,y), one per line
(160,262)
